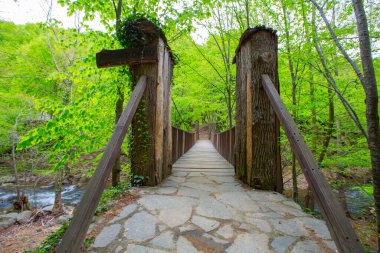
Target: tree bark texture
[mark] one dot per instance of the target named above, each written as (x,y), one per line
(372,102)
(151,127)
(257,55)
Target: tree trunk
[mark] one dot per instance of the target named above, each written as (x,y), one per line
(58,207)
(372,102)
(342,194)
(330,127)
(257,55)
(15,162)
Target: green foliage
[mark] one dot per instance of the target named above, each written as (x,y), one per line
(24,66)
(50,243)
(367,189)
(88,242)
(312,212)
(130,34)
(110,194)
(137,180)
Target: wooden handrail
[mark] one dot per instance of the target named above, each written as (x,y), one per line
(340,228)
(76,232)
(182,141)
(183,130)
(224,143)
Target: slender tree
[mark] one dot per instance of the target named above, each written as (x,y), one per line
(368,81)
(369,84)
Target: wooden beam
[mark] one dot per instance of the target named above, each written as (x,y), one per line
(340,228)
(249,143)
(159,113)
(129,56)
(76,233)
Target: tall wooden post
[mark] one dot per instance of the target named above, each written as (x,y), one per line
(151,127)
(151,137)
(257,151)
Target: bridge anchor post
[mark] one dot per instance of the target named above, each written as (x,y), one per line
(151,130)
(257,132)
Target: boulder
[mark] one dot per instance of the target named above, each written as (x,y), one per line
(66,181)
(62,219)
(7,220)
(24,217)
(9,216)
(6,223)
(48,209)
(10,181)
(7,184)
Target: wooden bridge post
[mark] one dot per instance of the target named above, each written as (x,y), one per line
(151,136)
(257,152)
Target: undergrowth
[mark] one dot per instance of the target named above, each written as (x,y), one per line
(110,194)
(50,244)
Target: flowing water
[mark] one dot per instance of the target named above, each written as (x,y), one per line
(40,197)
(358,202)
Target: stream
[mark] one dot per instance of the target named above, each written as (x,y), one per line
(358,201)
(40,197)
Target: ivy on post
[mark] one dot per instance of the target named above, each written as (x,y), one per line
(257,149)
(147,53)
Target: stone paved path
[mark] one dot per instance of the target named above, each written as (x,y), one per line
(202,208)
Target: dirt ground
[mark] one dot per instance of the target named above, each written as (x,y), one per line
(19,238)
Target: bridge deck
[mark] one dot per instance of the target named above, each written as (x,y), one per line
(202,208)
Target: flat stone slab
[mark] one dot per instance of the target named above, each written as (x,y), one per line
(164,240)
(140,227)
(238,200)
(133,248)
(107,236)
(212,208)
(191,192)
(250,243)
(226,232)
(205,209)
(306,247)
(289,227)
(152,202)
(124,213)
(174,217)
(282,243)
(205,223)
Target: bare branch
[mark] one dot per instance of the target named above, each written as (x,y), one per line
(337,42)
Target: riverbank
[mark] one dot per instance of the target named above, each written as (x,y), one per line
(20,238)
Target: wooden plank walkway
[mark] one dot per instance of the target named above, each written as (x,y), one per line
(201,207)
(203,158)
